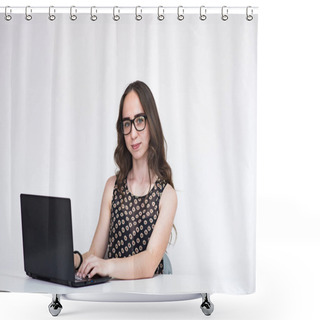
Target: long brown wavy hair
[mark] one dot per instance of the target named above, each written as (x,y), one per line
(157,162)
(157,146)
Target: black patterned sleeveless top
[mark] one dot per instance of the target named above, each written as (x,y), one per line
(132,221)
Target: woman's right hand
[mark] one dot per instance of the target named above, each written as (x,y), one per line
(93,265)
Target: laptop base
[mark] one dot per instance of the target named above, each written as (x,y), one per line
(75,283)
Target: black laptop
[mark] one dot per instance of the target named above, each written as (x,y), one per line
(48,241)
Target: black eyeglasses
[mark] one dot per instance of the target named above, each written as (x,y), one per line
(139,123)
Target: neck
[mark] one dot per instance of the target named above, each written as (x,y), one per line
(140,171)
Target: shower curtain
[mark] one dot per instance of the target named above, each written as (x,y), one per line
(60,88)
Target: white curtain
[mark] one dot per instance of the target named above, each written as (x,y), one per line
(60,88)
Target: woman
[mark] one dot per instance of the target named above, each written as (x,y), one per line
(139,203)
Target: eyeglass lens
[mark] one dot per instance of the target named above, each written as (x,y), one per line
(138,122)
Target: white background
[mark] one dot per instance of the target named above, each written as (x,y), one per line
(288,240)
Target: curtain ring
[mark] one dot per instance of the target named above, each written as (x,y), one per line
(6,15)
(249,16)
(160,16)
(138,16)
(73,17)
(28,16)
(203,13)
(180,16)
(224,13)
(116,17)
(51,16)
(93,16)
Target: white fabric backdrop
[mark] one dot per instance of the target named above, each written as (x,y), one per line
(60,87)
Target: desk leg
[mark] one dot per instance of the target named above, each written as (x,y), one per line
(55,306)
(206,306)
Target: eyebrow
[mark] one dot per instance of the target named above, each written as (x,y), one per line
(137,115)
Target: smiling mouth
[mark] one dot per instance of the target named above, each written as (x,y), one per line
(136,146)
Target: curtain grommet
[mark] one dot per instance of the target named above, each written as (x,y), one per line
(138,16)
(249,17)
(93,17)
(73,17)
(116,17)
(28,16)
(180,15)
(224,13)
(203,13)
(52,17)
(7,16)
(160,16)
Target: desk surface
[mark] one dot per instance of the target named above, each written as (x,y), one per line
(159,286)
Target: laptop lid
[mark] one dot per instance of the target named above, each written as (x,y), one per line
(47,237)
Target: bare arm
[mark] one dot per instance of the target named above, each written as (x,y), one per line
(144,264)
(100,240)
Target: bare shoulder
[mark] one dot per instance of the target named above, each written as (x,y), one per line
(108,189)
(169,191)
(169,197)
(111,182)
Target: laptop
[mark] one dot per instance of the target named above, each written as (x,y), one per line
(48,242)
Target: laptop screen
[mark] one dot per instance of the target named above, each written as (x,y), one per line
(47,237)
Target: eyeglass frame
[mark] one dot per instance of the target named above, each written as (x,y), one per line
(132,122)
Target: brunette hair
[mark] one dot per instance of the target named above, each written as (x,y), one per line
(157,146)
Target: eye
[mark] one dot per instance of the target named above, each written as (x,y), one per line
(140,120)
(126,124)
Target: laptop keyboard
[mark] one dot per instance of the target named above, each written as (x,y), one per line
(77,278)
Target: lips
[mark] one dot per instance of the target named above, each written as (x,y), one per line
(136,146)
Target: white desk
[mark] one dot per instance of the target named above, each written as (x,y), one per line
(158,288)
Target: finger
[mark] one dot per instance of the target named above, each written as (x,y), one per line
(84,266)
(82,272)
(87,269)
(90,266)
(93,272)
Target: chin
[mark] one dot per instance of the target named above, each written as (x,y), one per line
(138,155)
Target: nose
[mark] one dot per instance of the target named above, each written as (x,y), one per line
(134,132)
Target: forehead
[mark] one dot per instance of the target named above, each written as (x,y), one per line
(131,105)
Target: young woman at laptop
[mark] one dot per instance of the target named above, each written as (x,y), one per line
(139,203)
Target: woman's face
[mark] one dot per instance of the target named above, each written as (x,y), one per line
(137,142)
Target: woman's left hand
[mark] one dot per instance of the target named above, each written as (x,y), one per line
(92,266)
